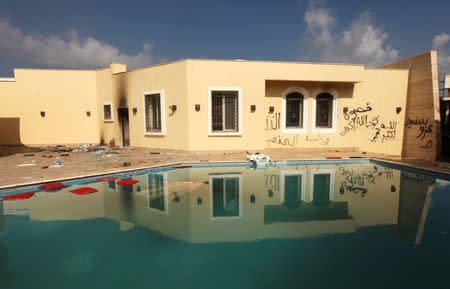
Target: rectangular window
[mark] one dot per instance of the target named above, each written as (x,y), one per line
(225,111)
(153,117)
(156,190)
(292,189)
(294,110)
(107,112)
(225,196)
(324,111)
(321,189)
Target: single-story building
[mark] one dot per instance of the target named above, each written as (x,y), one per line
(197,104)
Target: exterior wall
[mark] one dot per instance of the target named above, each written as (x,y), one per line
(65,96)
(422,123)
(262,84)
(126,90)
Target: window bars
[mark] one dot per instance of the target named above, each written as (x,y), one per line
(224,111)
(153,112)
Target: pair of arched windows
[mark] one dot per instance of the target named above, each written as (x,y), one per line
(294,110)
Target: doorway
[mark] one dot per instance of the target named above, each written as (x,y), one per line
(124,126)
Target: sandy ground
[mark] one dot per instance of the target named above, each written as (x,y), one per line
(27,165)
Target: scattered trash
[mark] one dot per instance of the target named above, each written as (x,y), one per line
(155,153)
(127,182)
(21,196)
(44,167)
(83,191)
(51,187)
(28,155)
(259,160)
(57,164)
(64,155)
(126,164)
(334,158)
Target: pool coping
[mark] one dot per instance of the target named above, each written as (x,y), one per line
(173,165)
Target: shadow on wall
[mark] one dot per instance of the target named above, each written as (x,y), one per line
(10,137)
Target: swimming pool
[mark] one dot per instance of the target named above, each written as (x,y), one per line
(347,224)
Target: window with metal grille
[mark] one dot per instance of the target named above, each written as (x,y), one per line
(294,110)
(225,197)
(157,199)
(107,111)
(224,111)
(324,110)
(153,112)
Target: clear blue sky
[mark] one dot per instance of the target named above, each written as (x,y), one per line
(269,30)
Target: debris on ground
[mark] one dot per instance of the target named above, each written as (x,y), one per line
(28,155)
(127,164)
(33,163)
(57,164)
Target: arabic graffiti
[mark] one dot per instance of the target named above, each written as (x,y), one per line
(356,182)
(355,118)
(359,118)
(273,121)
(284,141)
(425,129)
(386,132)
(319,138)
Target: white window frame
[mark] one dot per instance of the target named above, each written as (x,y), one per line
(305,94)
(163,112)
(166,195)
(332,174)
(112,112)
(333,128)
(240,121)
(224,176)
(293,173)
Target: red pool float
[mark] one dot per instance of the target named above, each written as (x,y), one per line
(21,196)
(50,187)
(83,191)
(127,182)
(106,179)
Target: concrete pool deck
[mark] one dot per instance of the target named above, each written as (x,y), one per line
(29,165)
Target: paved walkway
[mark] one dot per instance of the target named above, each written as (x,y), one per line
(25,165)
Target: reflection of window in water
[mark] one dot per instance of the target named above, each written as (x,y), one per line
(292,190)
(321,189)
(112,185)
(225,197)
(156,192)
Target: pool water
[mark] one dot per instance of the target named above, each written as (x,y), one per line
(304,225)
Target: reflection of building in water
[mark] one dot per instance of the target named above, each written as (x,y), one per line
(238,204)
(415,198)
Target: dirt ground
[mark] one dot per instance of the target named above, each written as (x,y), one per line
(26,165)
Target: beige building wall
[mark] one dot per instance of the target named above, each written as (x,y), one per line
(422,123)
(262,84)
(64,95)
(127,90)
(371,105)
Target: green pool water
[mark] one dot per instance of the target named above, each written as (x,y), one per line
(308,225)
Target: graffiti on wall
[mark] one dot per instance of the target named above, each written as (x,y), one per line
(292,140)
(425,128)
(361,117)
(356,182)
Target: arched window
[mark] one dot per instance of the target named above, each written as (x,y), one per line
(324,110)
(324,115)
(294,110)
